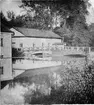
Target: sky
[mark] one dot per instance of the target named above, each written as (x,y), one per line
(90,17)
(13,5)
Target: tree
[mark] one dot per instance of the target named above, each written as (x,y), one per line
(11,20)
(70,14)
(91,28)
(81,35)
(68,10)
(43,18)
(65,17)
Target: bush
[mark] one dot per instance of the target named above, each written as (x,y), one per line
(81,93)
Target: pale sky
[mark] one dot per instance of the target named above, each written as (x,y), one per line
(90,17)
(13,5)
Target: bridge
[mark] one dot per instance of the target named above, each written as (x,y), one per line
(65,50)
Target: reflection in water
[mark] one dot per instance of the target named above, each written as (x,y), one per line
(55,61)
(68,78)
(17,90)
(31,64)
(13,94)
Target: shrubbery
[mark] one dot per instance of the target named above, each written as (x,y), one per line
(79,91)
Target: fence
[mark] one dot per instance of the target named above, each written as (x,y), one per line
(66,48)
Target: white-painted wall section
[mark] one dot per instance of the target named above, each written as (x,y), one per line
(5,56)
(29,42)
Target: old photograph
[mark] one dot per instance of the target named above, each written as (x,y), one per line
(46,52)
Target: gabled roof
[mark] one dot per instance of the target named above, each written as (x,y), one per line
(28,32)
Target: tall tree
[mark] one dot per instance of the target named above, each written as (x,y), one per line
(11,20)
(68,10)
(68,15)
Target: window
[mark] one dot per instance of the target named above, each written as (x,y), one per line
(2,42)
(1,70)
(1,56)
(21,45)
(13,42)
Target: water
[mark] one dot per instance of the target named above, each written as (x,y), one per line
(31,64)
(41,75)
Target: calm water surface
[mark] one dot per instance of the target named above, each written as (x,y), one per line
(41,76)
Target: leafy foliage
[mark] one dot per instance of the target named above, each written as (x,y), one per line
(69,10)
(11,20)
(91,28)
(67,18)
(70,14)
(78,90)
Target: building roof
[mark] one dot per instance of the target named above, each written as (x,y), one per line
(59,43)
(28,32)
(5,29)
